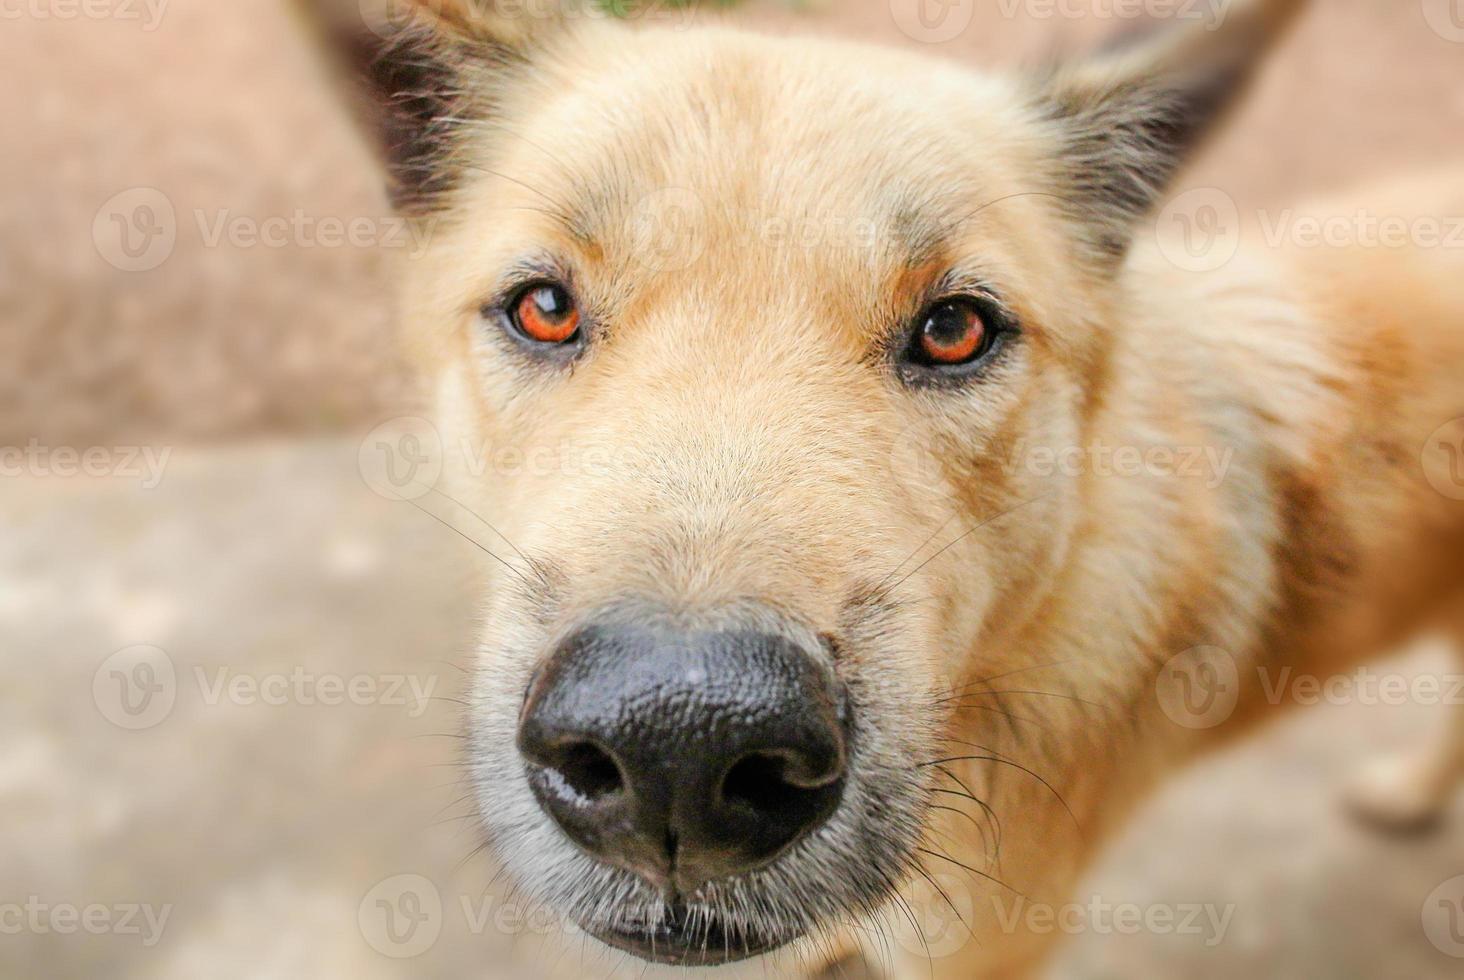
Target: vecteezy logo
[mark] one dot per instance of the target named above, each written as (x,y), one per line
(135,231)
(389,19)
(932,21)
(1199,230)
(915,458)
(1443,459)
(940,909)
(666,229)
(1446,18)
(1443,917)
(401,917)
(135,688)
(1199,688)
(401,459)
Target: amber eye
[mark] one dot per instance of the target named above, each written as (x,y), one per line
(546,313)
(949,333)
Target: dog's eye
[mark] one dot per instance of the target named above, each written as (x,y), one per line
(951,333)
(545,313)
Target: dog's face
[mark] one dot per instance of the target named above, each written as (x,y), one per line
(734,342)
(729,467)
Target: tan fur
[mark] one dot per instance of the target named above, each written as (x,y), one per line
(731,437)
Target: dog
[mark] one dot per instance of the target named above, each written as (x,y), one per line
(892,510)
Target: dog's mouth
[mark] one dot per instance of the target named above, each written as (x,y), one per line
(685,938)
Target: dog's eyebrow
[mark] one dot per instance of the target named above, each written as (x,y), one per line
(924,227)
(915,227)
(588,218)
(919,234)
(579,216)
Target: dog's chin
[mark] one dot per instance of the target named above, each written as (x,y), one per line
(682,938)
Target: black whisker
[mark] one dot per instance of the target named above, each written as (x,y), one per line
(986,807)
(987,811)
(1005,714)
(967,533)
(558,208)
(973,213)
(985,841)
(1015,765)
(879,588)
(1004,674)
(1037,694)
(533,565)
(471,540)
(936,885)
(967,867)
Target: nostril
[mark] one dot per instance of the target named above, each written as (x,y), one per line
(590,771)
(763,783)
(756,782)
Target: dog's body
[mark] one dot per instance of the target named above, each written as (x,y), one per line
(1044,583)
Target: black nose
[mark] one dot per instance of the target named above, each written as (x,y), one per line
(685,757)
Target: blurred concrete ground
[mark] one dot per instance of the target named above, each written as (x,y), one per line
(285,834)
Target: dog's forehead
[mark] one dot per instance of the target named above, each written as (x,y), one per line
(854,160)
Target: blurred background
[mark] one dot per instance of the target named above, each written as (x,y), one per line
(230,719)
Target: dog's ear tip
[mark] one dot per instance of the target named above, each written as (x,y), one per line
(1129,117)
(412,71)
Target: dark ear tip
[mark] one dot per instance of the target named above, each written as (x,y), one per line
(1130,117)
(402,78)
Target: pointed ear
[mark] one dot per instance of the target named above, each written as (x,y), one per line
(1128,119)
(419,73)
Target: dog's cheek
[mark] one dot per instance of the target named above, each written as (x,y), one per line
(1017,501)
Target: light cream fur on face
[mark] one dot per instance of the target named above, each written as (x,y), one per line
(749,224)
